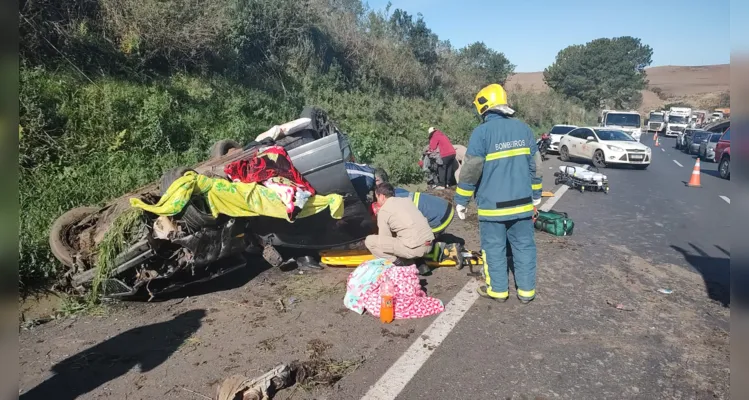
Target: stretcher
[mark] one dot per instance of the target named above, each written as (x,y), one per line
(354,258)
(582,179)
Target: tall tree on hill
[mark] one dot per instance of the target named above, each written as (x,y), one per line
(602,73)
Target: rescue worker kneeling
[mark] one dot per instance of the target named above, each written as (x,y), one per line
(404,234)
(502,170)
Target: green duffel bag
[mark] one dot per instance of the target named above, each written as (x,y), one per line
(556,223)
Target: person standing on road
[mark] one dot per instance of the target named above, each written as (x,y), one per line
(438,140)
(460,155)
(404,234)
(503,167)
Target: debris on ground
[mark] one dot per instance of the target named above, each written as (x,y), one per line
(665,291)
(317,371)
(619,306)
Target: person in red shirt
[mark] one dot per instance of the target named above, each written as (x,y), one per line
(445,172)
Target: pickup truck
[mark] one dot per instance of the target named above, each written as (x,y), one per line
(208,247)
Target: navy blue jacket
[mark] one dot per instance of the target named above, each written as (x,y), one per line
(436,210)
(500,170)
(362,176)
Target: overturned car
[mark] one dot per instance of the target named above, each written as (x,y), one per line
(123,252)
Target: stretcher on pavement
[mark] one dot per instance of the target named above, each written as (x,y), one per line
(354,258)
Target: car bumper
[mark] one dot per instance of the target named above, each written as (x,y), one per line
(554,147)
(628,158)
(672,133)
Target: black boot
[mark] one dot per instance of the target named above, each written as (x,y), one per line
(424,269)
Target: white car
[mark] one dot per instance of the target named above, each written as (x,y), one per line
(556,133)
(604,146)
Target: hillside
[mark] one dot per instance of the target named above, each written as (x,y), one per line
(697,85)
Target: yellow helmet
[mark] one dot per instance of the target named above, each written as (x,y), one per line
(490,96)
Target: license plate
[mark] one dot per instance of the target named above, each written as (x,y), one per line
(636,156)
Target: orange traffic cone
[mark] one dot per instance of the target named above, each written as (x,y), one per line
(694,181)
(656,142)
(655,136)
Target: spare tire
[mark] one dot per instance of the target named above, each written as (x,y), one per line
(58,241)
(320,122)
(196,214)
(222,147)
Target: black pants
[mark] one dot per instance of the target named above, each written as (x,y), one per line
(446,171)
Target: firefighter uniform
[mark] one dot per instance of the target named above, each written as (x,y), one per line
(502,171)
(438,211)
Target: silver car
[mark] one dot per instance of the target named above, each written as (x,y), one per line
(707,148)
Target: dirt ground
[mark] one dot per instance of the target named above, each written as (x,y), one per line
(250,321)
(693,84)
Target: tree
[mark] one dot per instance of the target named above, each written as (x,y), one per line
(602,73)
(488,65)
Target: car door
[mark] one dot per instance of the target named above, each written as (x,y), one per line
(722,144)
(574,142)
(587,148)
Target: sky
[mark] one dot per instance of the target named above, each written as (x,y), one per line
(531,32)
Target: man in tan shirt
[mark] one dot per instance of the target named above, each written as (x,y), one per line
(404,233)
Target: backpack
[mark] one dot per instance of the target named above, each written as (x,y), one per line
(556,223)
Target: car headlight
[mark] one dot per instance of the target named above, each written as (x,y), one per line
(648,150)
(614,148)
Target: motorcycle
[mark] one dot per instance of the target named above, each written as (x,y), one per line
(543,145)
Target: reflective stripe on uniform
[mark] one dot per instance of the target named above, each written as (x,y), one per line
(536,186)
(446,223)
(416,195)
(488,279)
(527,293)
(508,153)
(506,211)
(463,192)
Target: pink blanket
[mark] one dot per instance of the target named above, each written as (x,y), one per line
(410,301)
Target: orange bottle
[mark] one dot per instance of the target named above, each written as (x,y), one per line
(387,311)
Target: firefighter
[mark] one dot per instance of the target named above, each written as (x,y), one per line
(502,170)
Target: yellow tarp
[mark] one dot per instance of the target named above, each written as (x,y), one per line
(235,199)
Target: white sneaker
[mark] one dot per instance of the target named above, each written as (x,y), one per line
(440,187)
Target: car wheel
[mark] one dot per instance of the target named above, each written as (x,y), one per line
(222,147)
(196,214)
(724,168)
(564,153)
(599,159)
(58,234)
(320,122)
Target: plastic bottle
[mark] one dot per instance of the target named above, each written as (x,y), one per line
(387,311)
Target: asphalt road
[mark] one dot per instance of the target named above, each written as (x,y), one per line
(650,231)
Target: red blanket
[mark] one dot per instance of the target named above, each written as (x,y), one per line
(270,163)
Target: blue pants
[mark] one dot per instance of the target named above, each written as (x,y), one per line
(494,238)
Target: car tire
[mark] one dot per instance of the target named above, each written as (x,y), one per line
(222,147)
(564,153)
(724,168)
(320,121)
(58,242)
(599,159)
(196,213)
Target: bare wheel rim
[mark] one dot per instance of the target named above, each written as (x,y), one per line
(724,168)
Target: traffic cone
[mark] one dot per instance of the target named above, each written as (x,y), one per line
(655,136)
(656,142)
(694,181)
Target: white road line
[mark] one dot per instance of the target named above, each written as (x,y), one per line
(677,163)
(390,384)
(726,199)
(550,202)
(663,150)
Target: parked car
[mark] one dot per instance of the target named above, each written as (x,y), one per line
(718,126)
(693,141)
(723,155)
(556,133)
(604,146)
(204,247)
(707,148)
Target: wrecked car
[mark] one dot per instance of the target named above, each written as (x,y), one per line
(126,254)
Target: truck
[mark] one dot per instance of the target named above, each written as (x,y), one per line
(678,120)
(628,121)
(657,121)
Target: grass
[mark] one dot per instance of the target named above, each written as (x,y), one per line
(120,235)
